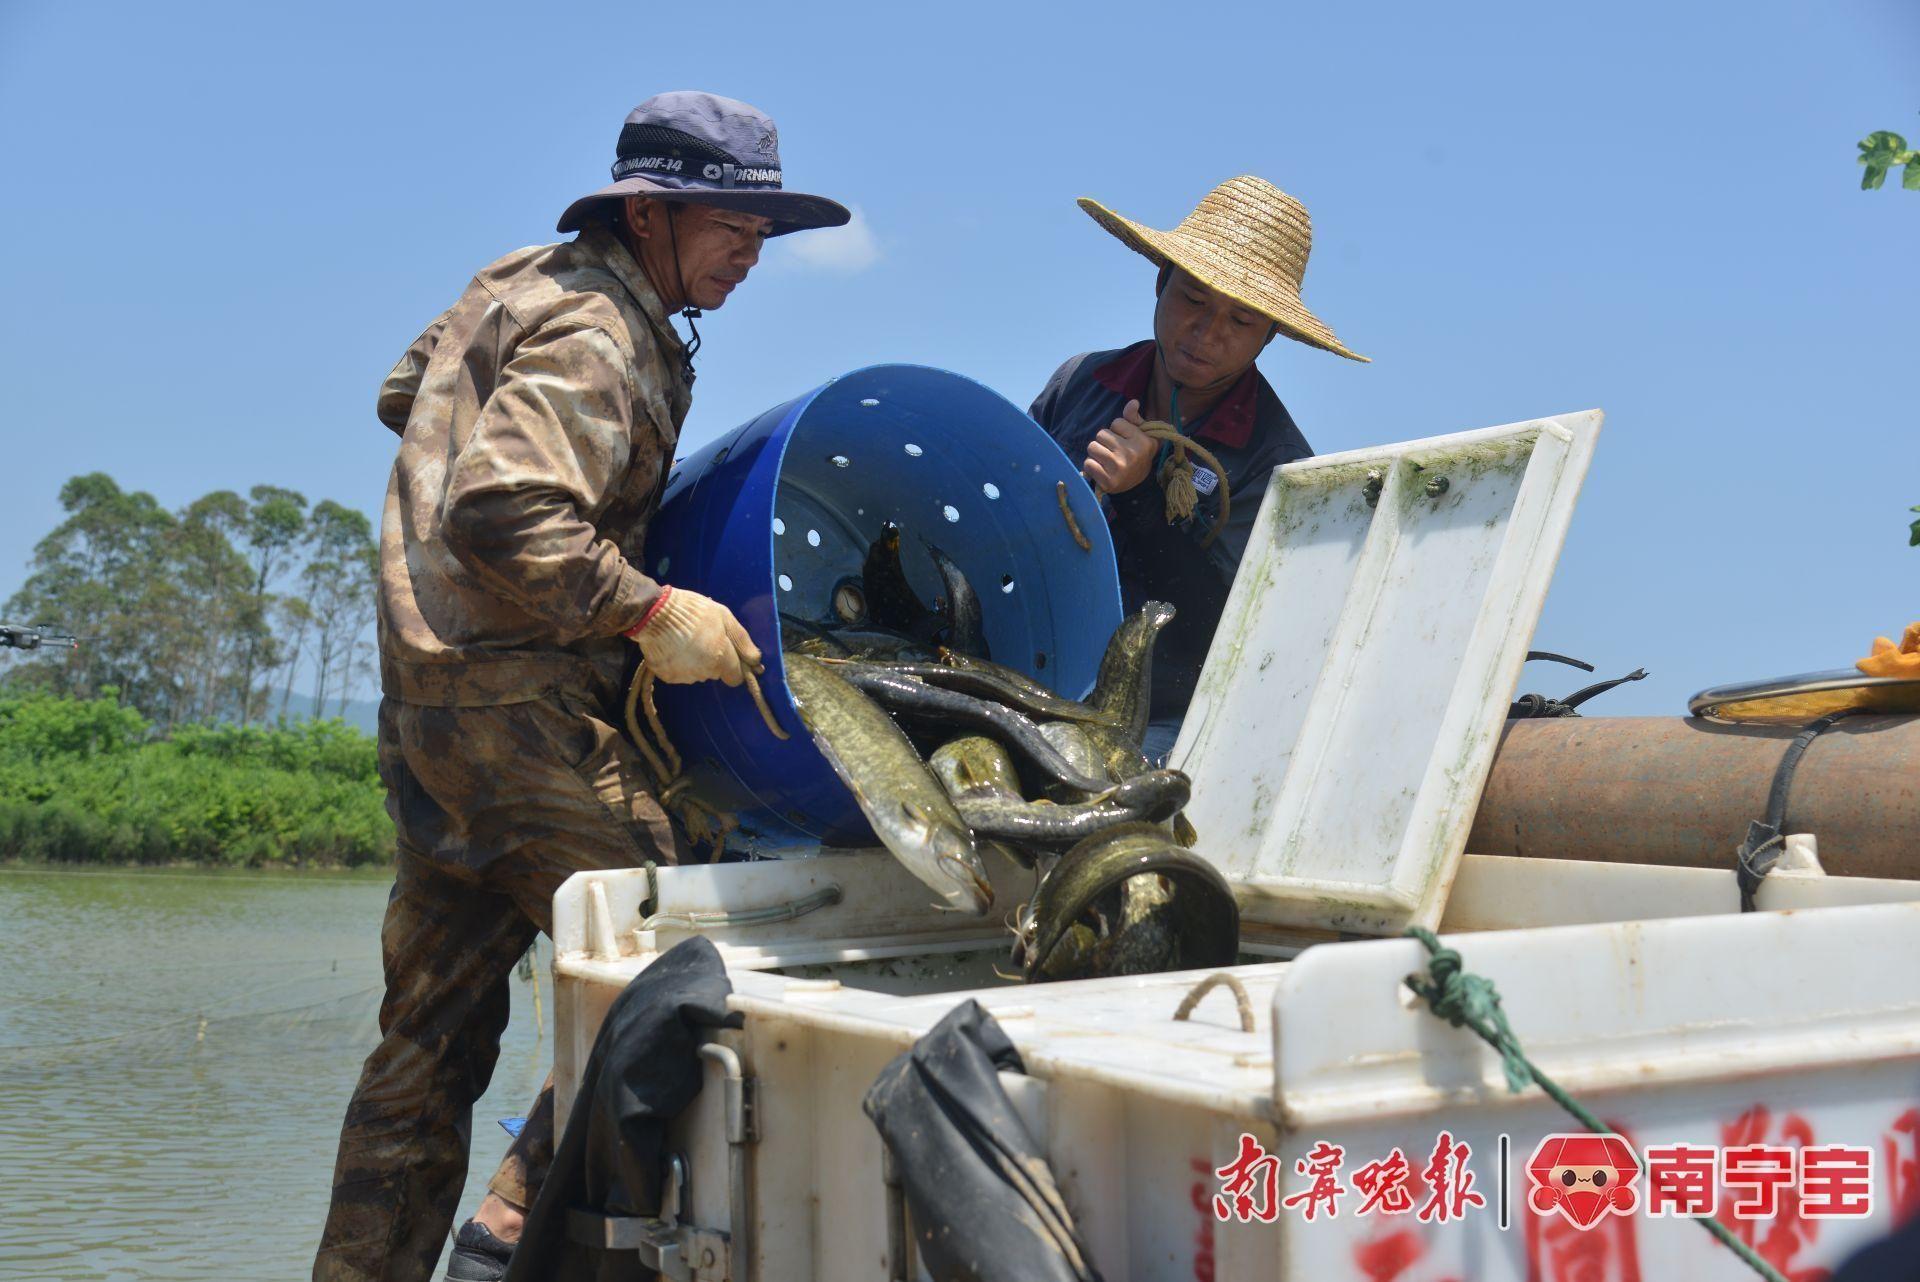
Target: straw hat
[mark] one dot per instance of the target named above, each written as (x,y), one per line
(1247,240)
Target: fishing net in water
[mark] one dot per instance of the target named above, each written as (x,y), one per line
(296,1014)
(317,1004)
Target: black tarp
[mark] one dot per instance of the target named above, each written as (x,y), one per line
(643,1070)
(984,1204)
(1891,1259)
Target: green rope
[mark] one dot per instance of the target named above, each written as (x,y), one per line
(1470,1001)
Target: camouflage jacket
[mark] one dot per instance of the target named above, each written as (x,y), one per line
(537,420)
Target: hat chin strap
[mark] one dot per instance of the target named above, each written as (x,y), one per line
(1174,385)
(1160,355)
(687,310)
(1173,388)
(1173,405)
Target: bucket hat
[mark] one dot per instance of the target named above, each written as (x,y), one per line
(702,149)
(1248,240)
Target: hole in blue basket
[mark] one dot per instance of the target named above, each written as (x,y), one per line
(1006,583)
(779,526)
(991,490)
(786,584)
(665,561)
(1039,660)
(840,460)
(869,402)
(813,538)
(913,451)
(951,512)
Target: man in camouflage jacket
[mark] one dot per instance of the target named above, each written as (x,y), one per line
(537,420)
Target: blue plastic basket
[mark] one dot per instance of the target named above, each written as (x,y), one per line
(770,517)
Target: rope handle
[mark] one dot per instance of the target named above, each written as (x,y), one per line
(1219,979)
(705,824)
(1176,478)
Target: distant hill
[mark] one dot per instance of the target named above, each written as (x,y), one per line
(362,714)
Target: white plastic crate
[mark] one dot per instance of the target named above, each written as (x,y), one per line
(1345,725)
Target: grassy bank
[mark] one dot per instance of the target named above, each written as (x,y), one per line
(86,781)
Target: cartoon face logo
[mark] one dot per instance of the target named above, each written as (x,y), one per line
(1584,1177)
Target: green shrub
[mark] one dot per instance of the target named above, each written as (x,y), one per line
(33,726)
(84,781)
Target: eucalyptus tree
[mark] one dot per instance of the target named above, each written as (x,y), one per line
(338,582)
(276,521)
(102,575)
(216,624)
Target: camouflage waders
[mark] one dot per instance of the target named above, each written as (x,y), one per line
(537,419)
(494,807)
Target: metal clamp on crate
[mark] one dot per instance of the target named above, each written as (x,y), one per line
(679,1252)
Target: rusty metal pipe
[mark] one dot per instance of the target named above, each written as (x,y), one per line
(1680,791)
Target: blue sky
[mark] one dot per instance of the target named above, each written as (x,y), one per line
(226,221)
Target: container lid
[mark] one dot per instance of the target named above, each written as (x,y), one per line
(1350,705)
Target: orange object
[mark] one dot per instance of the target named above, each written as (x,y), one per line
(1889,660)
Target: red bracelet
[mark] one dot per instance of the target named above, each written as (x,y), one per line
(635,631)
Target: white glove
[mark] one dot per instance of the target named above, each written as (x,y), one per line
(687,637)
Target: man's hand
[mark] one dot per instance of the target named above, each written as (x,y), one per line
(1120,457)
(688,637)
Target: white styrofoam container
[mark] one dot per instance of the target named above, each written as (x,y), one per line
(1790,1024)
(1344,727)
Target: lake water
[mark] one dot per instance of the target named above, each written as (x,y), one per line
(176,1051)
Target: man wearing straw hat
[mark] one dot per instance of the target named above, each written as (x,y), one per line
(537,421)
(1179,429)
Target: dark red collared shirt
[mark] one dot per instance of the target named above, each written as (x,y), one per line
(1249,431)
(1231,420)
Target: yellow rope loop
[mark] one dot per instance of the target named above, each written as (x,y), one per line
(661,775)
(667,750)
(1219,979)
(706,825)
(1176,478)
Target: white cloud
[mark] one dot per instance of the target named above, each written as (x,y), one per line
(849,249)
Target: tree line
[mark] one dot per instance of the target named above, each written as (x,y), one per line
(205,614)
(88,781)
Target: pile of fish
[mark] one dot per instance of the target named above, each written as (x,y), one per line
(948,753)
